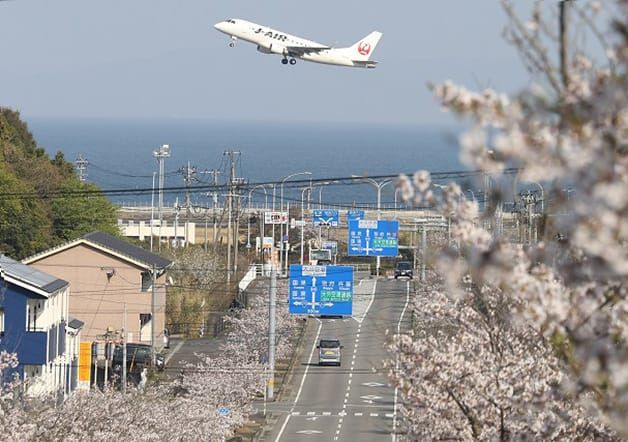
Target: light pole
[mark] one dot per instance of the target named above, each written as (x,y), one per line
(152,212)
(305,189)
(248,231)
(283,180)
(379,185)
(161,155)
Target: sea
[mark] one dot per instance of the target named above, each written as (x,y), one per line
(119,153)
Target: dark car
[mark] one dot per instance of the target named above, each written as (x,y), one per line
(403,268)
(138,357)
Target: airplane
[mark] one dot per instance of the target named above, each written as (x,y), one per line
(271,41)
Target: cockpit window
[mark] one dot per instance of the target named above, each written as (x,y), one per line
(231,21)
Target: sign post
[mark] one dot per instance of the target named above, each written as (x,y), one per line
(373,238)
(321,290)
(328,218)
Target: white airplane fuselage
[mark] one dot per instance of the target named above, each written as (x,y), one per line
(272,41)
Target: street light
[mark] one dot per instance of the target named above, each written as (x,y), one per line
(248,234)
(283,180)
(379,186)
(309,188)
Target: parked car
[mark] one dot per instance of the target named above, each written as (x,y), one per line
(138,357)
(329,352)
(403,268)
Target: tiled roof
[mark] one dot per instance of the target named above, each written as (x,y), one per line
(125,248)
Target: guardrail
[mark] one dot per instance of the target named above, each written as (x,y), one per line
(361,267)
(248,278)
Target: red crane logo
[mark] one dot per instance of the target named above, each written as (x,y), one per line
(364,48)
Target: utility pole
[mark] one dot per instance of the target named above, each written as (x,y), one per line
(271,329)
(161,155)
(188,174)
(152,311)
(214,173)
(232,182)
(237,184)
(81,168)
(124,337)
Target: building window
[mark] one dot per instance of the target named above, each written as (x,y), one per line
(145,324)
(34,311)
(147,282)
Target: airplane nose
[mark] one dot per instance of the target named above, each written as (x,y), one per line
(220,26)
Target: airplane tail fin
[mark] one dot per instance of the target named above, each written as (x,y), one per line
(362,50)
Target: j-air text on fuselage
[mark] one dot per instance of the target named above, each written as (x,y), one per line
(271,41)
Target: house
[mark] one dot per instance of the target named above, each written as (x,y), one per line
(35,324)
(110,276)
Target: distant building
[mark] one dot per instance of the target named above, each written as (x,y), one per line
(35,324)
(177,234)
(107,273)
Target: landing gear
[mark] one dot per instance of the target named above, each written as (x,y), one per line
(293,61)
(233,42)
(284,60)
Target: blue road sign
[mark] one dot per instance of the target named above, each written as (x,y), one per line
(321,290)
(373,238)
(325,218)
(355,214)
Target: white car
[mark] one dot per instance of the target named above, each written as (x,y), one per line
(329,352)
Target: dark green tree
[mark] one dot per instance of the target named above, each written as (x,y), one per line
(82,208)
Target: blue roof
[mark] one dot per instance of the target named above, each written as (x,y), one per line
(31,276)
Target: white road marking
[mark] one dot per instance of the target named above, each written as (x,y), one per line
(357,414)
(373,384)
(309,432)
(326,413)
(394,432)
(295,413)
(373,414)
(389,414)
(311,413)
(309,362)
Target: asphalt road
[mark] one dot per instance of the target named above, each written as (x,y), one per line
(354,401)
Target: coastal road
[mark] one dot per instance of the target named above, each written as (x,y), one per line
(354,401)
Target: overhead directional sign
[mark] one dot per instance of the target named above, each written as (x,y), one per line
(321,290)
(325,218)
(373,238)
(355,214)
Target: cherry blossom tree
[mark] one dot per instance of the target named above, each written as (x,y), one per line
(210,400)
(543,316)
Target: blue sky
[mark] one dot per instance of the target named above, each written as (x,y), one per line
(162,58)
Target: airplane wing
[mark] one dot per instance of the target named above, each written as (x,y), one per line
(297,51)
